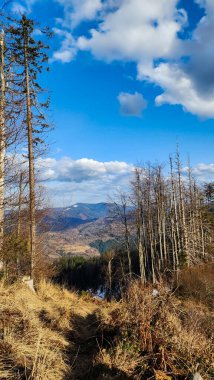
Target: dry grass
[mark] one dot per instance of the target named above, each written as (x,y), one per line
(197,283)
(55,335)
(29,348)
(160,335)
(40,332)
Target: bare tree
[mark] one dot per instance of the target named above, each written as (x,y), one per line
(138,214)
(121,211)
(170,228)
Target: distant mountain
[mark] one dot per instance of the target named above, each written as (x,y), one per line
(82,229)
(61,219)
(88,211)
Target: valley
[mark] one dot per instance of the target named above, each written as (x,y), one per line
(80,230)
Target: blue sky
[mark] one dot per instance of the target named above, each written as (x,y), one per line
(129,80)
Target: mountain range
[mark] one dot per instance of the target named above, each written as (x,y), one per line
(63,218)
(82,229)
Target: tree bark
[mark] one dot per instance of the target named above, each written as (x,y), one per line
(185,241)
(174,219)
(20,204)
(139,227)
(31,160)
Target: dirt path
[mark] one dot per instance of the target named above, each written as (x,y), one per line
(83,338)
(86,341)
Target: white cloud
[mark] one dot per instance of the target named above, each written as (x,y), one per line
(84,180)
(22,7)
(203,172)
(204,168)
(84,169)
(147,32)
(132,104)
(76,11)
(179,88)
(127,29)
(18,8)
(67,50)
(136,30)
(69,181)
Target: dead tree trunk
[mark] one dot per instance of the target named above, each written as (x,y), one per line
(128,250)
(174,220)
(20,204)
(139,225)
(185,241)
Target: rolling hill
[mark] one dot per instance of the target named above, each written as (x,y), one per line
(77,230)
(61,219)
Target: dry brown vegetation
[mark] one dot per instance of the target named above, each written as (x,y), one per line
(55,334)
(30,347)
(197,283)
(165,334)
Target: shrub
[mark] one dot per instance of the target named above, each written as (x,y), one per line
(197,283)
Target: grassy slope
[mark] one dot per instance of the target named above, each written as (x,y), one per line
(54,334)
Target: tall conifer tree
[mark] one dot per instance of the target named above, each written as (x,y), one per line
(30,57)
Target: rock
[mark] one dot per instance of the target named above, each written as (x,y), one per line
(197,376)
(29,282)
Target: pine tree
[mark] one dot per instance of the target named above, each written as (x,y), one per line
(30,57)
